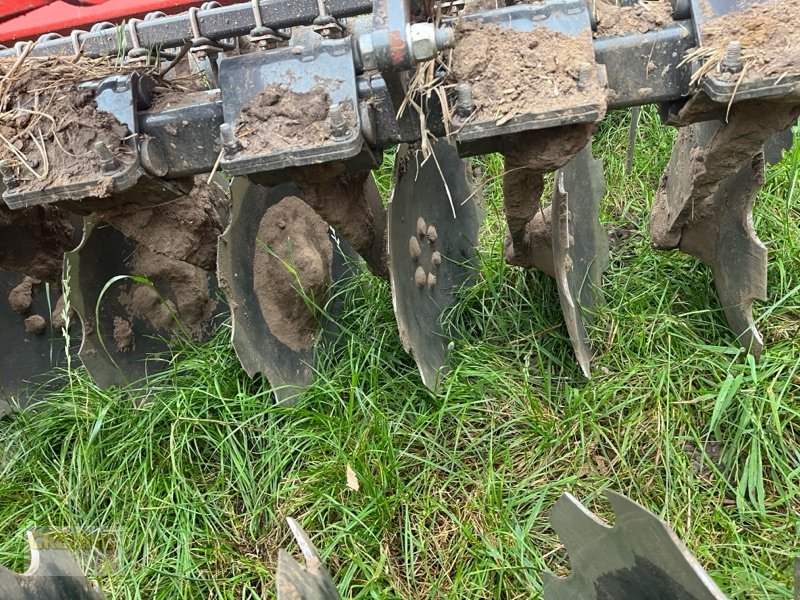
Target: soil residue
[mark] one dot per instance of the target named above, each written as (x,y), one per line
(35,324)
(187,306)
(185,229)
(124,340)
(342,201)
(770,36)
(33,240)
(277,119)
(21,297)
(57,318)
(50,126)
(640,18)
(514,72)
(292,236)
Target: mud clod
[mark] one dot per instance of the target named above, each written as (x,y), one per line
(57,317)
(187,306)
(21,297)
(35,324)
(278,118)
(124,339)
(640,18)
(304,247)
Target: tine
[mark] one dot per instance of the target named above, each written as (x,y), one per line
(53,574)
(775,146)
(278,263)
(431,252)
(580,246)
(639,557)
(302,539)
(635,113)
(726,241)
(295,581)
(31,320)
(704,206)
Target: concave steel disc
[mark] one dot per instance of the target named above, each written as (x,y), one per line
(433,232)
(282,270)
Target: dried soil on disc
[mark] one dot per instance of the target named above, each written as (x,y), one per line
(514,72)
(295,236)
(770,36)
(640,18)
(189,297)
(33,240)
(35,324)
(277,119)
(124,339)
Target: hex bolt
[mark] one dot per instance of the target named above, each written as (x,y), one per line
(108,162)
(466,103)
(413,248)
(436,259)
(419,277)
(431,281)
(421,227)
(432,234)
(230,143)
(732,61)
(339,127)
(584,71)
(9,178)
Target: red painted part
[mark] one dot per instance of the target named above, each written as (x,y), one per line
(61,17)
(9,8)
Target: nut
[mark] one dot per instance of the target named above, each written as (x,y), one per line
(413,248)
(419,277)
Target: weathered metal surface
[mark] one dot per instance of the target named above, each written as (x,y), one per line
(303,582)
(53,575)
(638,558)
(433,233)
(580,246)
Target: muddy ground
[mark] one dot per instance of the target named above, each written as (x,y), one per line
(293,253)
(770,36)
(641,18)
(513,72)
(278,118)
(49,127)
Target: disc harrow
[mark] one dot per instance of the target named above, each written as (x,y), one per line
(122,132)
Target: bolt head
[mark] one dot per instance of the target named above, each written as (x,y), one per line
(431,281)
(432,235)
(421,227)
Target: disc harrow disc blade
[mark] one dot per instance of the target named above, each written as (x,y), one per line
(139,299)
(580,246)
(282,269)
(433,232)
(31,319)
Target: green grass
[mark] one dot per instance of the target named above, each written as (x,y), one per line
(194,473)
